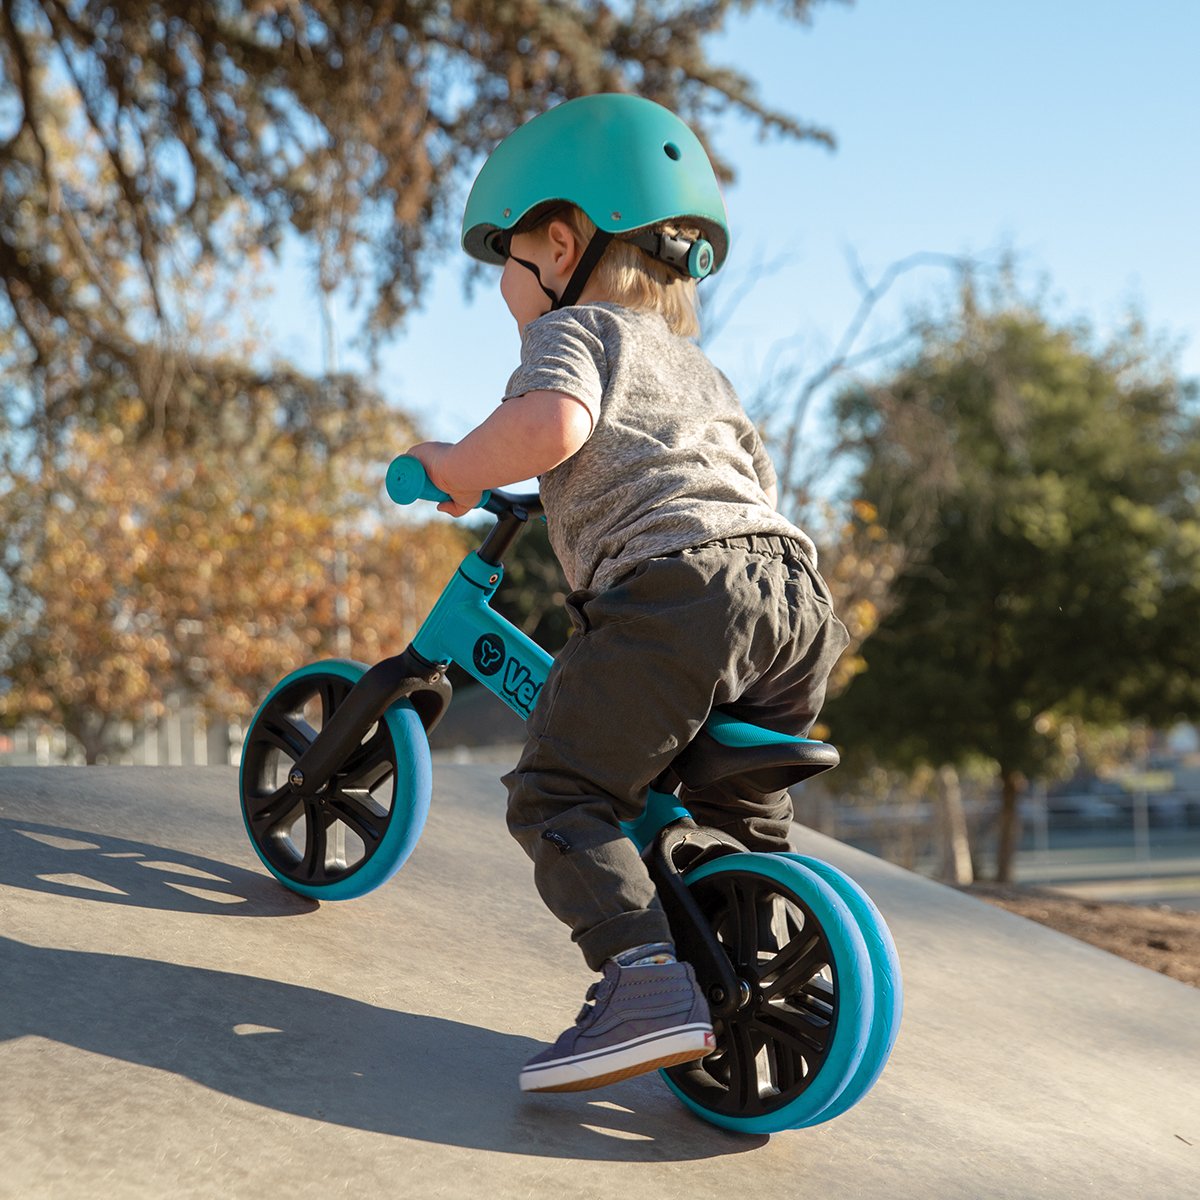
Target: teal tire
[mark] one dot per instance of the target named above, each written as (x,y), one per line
(888,1000)
(799,1035)
(356,833)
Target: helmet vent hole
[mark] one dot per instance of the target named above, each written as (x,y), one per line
(672,151)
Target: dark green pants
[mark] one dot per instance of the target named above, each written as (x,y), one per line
(744,624)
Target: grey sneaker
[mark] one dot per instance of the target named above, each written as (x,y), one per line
(640,1018)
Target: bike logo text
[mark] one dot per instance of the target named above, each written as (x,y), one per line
(517,683)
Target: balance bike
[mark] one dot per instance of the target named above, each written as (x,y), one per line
(798,965)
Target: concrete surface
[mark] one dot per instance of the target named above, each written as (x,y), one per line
(173,1023)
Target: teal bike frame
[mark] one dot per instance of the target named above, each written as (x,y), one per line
(463,628)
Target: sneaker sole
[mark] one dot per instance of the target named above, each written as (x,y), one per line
(602,1067)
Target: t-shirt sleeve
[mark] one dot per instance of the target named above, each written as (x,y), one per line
(558,354)
(764,468)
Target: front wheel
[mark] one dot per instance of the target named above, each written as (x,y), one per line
(799,1034)
(355,833)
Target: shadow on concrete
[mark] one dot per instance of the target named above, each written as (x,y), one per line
(111,870)
(318,1055)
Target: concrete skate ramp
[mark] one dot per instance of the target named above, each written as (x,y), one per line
(174,1023)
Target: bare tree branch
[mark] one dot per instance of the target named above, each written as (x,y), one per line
(844,358)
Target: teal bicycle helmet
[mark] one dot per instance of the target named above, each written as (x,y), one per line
(627,162)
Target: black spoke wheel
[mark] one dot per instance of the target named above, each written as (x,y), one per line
(355,831)
(798,1031)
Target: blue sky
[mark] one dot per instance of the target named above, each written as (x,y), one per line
(1066,130)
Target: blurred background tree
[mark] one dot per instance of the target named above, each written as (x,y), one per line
(136,576)
(139,142)
(1007,518)
(861,557)
(183,514)
(1057,486)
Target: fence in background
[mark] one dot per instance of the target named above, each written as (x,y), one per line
(1143,847)
(182,738)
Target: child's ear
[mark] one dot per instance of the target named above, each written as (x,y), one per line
(564,245)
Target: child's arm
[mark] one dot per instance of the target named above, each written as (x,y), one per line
(527,435)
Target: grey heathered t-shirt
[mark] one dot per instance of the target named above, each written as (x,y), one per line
(672,460)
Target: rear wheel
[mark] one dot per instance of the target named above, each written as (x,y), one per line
(799,1034)
(356,832)
(885,973)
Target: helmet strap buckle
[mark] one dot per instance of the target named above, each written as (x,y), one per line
(692,259)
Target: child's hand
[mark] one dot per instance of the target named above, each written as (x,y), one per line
(431,456)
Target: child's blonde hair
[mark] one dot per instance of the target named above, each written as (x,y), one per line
(627,275)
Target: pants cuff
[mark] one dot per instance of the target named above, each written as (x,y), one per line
(609,938)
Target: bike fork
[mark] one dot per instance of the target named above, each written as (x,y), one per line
(406,675)
(678,848)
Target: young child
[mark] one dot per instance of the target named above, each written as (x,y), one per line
(691,591)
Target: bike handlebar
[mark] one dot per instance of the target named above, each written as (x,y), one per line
(407,483)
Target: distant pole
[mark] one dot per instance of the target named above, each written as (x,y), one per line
(150,739)
(329,329)
(174,723)
(1141,826)
(341,602)
(343,641)
(1042,818)
(199,739)
(952,821)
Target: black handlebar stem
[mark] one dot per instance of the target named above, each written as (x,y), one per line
(499,503)
(500,538)
(513,511)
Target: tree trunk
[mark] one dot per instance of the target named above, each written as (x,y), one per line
(952,830)
(90,731)
(1010,824)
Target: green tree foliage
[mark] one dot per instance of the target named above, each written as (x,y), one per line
(1058,487)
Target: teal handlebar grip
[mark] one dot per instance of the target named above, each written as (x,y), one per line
(407,483)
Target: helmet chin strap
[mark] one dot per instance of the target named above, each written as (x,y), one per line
(579,277)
